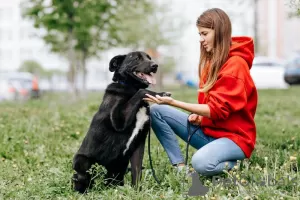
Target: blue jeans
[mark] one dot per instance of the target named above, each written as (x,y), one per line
(212,156)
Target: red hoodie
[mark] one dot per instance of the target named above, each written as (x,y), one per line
(233,98)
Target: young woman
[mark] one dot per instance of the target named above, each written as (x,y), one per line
(227,102)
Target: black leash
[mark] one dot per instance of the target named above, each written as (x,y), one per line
(187,148)
(189,139)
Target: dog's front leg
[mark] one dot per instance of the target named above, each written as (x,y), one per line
(120,115)
(145,91)
(136,162)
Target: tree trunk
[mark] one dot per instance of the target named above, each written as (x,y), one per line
(159,79)
(84,72)
(159,74)
(72,65)
(50,84)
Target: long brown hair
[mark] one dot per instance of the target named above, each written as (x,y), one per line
(211,62)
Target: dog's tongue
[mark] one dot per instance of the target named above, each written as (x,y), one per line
(150,78)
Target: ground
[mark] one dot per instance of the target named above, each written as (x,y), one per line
(39,138)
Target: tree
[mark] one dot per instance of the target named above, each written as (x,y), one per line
(154,29)
(32,67)
(83,28)
(106,31)
(295,5)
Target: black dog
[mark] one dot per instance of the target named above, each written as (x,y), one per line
(118,130)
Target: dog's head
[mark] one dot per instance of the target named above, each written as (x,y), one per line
(80,182)
(135,68)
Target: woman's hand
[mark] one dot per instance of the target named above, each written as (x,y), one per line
(158,99)
(195,119)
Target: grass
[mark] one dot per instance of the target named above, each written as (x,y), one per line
(39,138)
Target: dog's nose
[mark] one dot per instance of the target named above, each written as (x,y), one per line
(154,66)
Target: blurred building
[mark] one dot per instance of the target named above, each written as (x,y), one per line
(278,35)
(20,41)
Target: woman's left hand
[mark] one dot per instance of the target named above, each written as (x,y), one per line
(158,99)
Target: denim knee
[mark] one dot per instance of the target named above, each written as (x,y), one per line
(155,109)
(202,165)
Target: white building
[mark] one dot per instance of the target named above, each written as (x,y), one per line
(20,41)
(278,34)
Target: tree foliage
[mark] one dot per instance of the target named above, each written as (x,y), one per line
(295,5)
(81,29)
(32,67)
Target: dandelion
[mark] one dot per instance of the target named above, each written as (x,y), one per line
(266,158)
(293,158)
(243,181)
(258,167)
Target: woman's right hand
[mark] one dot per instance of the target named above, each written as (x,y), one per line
(195,119)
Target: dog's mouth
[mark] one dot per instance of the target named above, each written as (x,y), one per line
(147,78)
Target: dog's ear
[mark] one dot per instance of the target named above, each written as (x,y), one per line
(116,62)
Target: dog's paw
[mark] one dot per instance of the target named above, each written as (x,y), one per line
(166,94)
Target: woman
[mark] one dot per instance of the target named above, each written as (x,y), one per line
(227,102)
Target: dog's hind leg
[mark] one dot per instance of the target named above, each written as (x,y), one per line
(136,162)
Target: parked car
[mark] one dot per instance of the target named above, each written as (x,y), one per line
(7,91)
(268,72)
(24,84)
(292,69)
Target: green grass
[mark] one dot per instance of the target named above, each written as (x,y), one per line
(39,138)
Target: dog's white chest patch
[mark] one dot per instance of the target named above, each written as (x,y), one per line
(141,118)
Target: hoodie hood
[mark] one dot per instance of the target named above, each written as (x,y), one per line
(244,48)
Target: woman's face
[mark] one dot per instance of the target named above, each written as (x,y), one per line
(207,36)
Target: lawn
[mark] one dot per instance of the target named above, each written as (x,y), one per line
(39,138)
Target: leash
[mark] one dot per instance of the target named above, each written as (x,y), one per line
(189,138)
(187,147)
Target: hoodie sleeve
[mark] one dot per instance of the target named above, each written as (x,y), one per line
(228,95)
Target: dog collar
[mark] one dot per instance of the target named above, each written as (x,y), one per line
(122,82)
